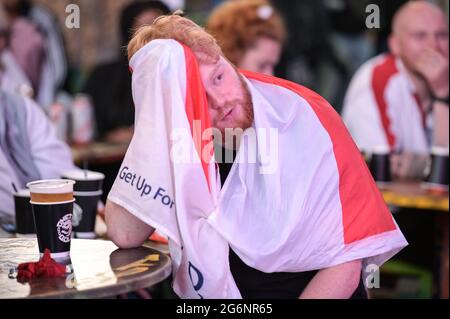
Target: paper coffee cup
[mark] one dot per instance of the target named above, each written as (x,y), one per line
(52,206)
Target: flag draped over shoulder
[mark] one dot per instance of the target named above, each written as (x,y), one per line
(306,201)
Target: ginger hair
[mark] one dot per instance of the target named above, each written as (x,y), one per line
(176,27)
(238,24)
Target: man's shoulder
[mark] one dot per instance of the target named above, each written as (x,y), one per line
(21,109)
(382,64)
(282,84)
(373,76)
(283,94)
(383,71)
(12,101)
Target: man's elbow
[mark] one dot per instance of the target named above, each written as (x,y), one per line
(120,228)
(121,239)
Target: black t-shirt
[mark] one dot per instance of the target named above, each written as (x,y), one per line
(109,86)
(255,284)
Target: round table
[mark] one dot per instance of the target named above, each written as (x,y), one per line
(96,153)
(99,270)
(414,195)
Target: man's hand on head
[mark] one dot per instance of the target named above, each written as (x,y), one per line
(433,67)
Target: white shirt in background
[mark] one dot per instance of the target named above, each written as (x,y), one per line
(12,77)
(51,156)
(381,108)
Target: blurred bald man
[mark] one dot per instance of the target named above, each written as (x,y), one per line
(400,99)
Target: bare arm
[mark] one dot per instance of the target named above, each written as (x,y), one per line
(338,282)
(123,228)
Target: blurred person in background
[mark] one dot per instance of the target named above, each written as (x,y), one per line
(250,32)
(109,85)
(13,78)
(308,57)
(37,44)
(389,8)
(400,99)
(29,148)
(351,43)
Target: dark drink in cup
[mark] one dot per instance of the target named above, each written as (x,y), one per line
(24,214)
(380,164)
(87,192)
(437,178)
(52,205)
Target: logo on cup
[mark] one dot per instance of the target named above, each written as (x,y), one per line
(64,228)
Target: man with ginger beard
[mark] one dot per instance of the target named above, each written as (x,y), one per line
(400,99)
(298,208)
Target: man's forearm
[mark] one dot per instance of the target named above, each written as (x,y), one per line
(338,282)
(123,228)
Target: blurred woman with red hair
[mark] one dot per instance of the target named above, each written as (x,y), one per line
(250,32)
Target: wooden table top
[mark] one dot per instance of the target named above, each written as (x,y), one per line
(98,153)
(415,195)
(100,270)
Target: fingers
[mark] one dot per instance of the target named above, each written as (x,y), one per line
(430,60)
(433,67)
